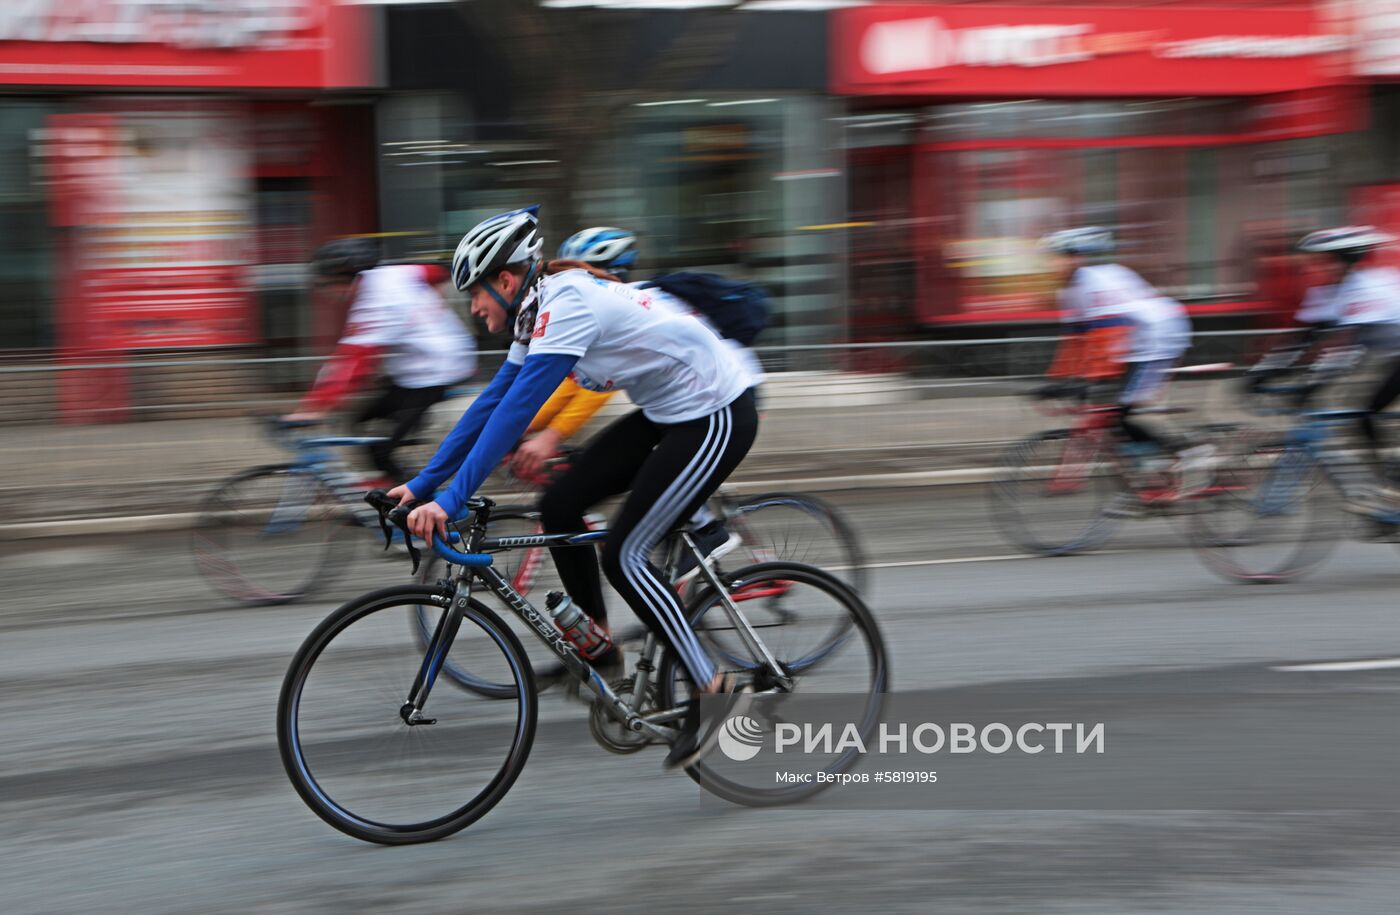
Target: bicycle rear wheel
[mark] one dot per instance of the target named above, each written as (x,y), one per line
(270,535)
(793,608)
(1052,492)
(790,527)
(1269,517)
(354,760)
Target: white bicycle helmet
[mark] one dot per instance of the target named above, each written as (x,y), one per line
(1345,240)
(613,250)
(492,245)
(1086,240)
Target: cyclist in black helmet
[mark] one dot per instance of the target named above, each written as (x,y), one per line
(397,321)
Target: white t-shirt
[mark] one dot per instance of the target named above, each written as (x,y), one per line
(1319,306)
(1112,292)
(1369,295)
(671,364)
(426,343)
(747,356)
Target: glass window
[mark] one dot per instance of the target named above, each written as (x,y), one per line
(26,268)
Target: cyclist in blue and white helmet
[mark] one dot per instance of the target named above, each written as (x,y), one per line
(609,249)
(694,420)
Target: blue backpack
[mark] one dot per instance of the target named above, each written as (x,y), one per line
(738,310)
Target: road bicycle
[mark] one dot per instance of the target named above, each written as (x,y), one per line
(372,757)
(275,533)
(776,526)
(1282,514)
(1064,491)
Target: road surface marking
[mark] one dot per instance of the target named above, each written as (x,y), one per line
(1378,664)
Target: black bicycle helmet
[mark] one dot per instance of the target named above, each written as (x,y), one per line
(345,257)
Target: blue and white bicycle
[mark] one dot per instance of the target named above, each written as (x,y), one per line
(275,533)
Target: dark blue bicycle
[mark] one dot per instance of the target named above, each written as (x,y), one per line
(275,533)
(1281,513)
(371,755)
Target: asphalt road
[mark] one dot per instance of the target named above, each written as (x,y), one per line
(141,772)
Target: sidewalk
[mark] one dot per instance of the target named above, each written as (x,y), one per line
(163,468)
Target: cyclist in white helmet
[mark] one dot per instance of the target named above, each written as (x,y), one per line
(611,253)
(694,423)
(1117,326)
(1358,303)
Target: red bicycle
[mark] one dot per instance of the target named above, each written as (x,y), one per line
(1064,491)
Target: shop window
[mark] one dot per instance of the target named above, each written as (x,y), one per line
(26,258)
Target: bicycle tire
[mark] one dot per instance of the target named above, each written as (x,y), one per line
(1022,464)
(841,553)
(289,726)
(670,672)
(1291,483)
(213,546)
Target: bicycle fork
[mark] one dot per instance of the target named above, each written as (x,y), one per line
(438,646)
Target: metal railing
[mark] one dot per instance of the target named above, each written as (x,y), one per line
(190,385)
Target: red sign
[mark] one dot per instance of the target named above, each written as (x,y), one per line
(246,44)
(1059,51)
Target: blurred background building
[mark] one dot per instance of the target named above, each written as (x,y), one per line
(884,169)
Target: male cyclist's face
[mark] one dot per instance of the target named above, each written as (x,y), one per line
(485,306)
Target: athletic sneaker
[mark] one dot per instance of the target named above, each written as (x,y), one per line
(714,540)
(1373,501)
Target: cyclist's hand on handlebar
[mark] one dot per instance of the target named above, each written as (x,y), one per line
(303,416)
(531,456)
(428,520)
(402,494)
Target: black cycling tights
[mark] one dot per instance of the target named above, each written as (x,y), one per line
(667,471)
(1384,396)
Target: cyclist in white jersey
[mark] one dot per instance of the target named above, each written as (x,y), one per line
(694,423)
(1359,302)
(1118,326)
(611,253)
(398,320)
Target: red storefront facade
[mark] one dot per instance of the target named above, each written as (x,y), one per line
(1203,136)
(183,159)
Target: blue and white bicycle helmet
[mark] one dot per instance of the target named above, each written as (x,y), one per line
(1083,241)
(492,245)
(610,249)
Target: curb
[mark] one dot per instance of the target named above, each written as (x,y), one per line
(146,524)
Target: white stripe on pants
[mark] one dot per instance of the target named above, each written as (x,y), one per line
(664,513)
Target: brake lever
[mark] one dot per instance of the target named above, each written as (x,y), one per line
(389,512)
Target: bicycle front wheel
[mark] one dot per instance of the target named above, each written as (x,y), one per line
(793,608)
(1052,493)
(355,761)
(270,535)
(790,527)
(1268,517)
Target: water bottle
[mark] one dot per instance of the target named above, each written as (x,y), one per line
(576,625)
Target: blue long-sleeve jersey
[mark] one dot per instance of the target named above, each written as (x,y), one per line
(490,428)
